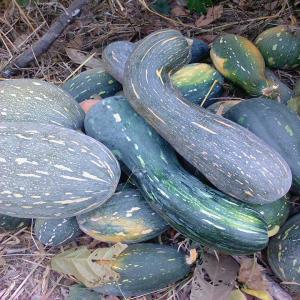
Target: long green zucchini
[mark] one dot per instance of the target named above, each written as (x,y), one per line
(233,159)
(197,211)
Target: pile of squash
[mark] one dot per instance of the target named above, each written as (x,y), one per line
(221,173)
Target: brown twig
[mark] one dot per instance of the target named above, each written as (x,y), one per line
(42,45)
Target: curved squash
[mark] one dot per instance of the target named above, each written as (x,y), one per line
(280,47)
(12,223)
(274,123)
(125,217)
(35,100)
(192,208)
(198,83)
(283,253)
(49,171)
(232,158)
(238,60)
(56,232)
(90,83)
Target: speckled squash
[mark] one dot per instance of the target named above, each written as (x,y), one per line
(91,83)
(125,217)
(274,123)
(198,83)
(199,50)
(225,146)
(144,268)
(12,223)
(275,213)
(238,60)
(49,171)
(56,232)
(283,253)
(280,47)
(191,207)
(294,103)
(34,100)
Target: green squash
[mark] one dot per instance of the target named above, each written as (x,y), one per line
(198,83)
(49,171)
(238,60)
(12,223)
(283,253)
(199,50)
(294,103)
(274,123)
(125,217)
(224,154)
(280,47)
(33,100)
(91,83)
(191,207)
(145,268)
(56,232)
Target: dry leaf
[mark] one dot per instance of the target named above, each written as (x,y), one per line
(178,11)
(92,268)
(213,13)
(214,279)
(79,58)
(251,274)
(272,5)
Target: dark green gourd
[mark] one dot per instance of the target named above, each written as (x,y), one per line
(56,232)
(199,50)
(274,123)
(294,103)
(34,100)
(280,47)
(283,253)
(125,217)
(49,171)
(238,60)
(91,83)
(12,223)
(233,159)
(197,211)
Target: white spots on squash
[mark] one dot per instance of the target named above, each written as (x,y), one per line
(42,172)
(128,138)
(72,178)
(91,176)
(35,197)
(21,136)
(156,116)
(28,175)
(274,47)
(146,231)
(16,195)
(63,168)
(60,142)
(3,113)
(117,118)
(204,128)
(70,201)
(24,160)
(134,91)
(26,206)
(2,160)
(136,147)
(141,161)
(36,83)
(6,193)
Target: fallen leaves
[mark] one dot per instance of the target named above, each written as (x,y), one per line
(82,59)
(179,11)
(213,13)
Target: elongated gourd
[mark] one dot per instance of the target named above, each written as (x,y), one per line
(56,232)
(12,223)
(33,100)
(192,208)
(125,217)
(48,171)
(238,60)
(91,83)
(274,123)
(280,47)
(232,158)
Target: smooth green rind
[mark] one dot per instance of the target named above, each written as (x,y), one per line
(12,223)
(56,232)
(229,156)
(33,100)
(294,103)
(125,217)
(90,83)
(145,268)
(197,82)
(283,253)
(49,171)
(195,210)
(238,60)
(275,124)
(280,47)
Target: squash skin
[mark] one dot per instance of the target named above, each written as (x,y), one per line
(195,81)
(199,51)
(274,123)
(125,217)
(12,223)
(225,146)
(192,208)
(280,47)
(238,60)
(146,268)
(33,100)
(43,175)
(56,232)
(283,253)
(90,83)
(294,103)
